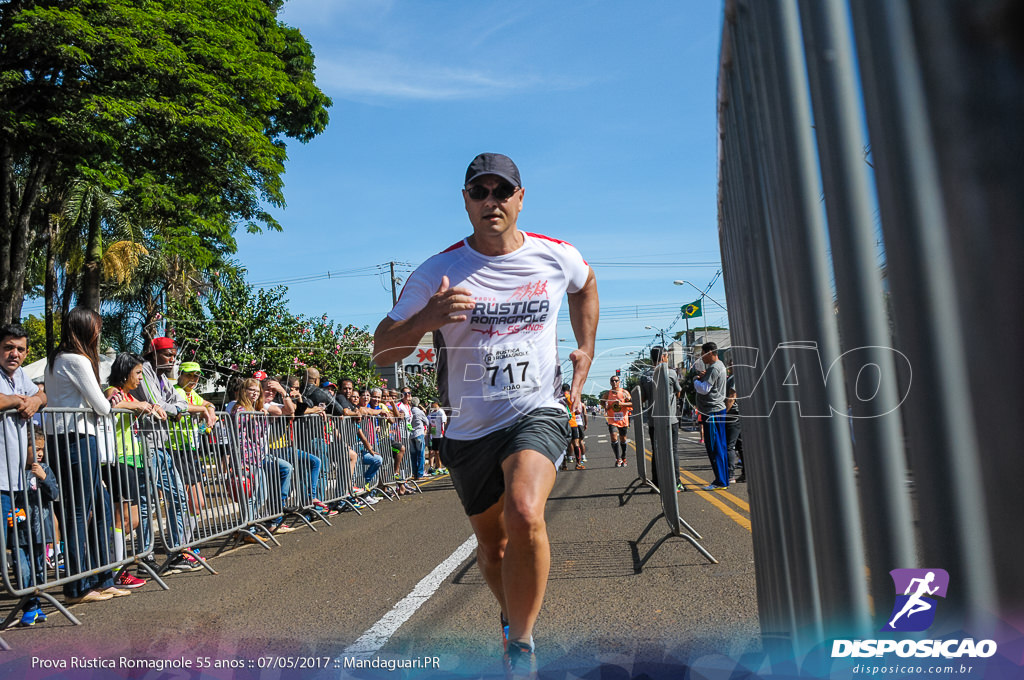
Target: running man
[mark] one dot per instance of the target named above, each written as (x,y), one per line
(618,407)
(577,423)
(492,303)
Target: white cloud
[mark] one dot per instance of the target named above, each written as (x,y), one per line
(381,75)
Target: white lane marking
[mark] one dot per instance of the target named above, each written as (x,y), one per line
(377,636)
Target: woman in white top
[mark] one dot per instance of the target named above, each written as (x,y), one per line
(72,381)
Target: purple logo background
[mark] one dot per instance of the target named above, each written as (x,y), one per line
(915,611)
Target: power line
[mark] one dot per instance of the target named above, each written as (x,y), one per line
(371,270)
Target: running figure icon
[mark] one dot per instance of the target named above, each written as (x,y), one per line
(916,603)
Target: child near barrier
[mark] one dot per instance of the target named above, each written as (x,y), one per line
(125,477)
(23,525)
(186,433)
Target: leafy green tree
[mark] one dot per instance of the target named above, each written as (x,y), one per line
(424,386)
(179,107)
(36,329)
(236,329)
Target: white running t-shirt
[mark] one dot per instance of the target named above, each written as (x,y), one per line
(502,361)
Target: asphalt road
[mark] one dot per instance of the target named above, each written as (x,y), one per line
(308,601)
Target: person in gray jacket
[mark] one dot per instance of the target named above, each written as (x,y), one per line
(710,388)
(158,389)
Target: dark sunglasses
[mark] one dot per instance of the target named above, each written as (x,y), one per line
(501,193)
(615,380)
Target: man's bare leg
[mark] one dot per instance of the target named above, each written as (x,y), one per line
(529,478)
(513,550)
(489,527)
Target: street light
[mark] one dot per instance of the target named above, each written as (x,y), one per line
(660,330)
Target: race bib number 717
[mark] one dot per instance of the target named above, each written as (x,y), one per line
(509,371)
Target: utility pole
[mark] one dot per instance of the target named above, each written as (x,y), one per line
(399,373)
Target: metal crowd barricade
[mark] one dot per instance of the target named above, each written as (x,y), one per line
(256,474)
(805,201)
(305,471)
(380,434)
(98,470)
(201,458)
(665,464)
(344,453)
(400,436)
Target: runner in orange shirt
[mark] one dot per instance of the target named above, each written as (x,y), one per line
(618,407)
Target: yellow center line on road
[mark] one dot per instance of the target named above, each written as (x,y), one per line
(429,480)
(736,500)
(713,497)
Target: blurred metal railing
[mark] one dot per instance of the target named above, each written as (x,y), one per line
(245,476)
(664,461)
(844,407)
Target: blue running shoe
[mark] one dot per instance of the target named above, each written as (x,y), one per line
(520,662)
(40,615)
(504,633)
(28,618)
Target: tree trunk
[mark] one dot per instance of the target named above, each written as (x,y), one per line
(70,283)
(7,194)
(16,230)
(89,295)
(50,285)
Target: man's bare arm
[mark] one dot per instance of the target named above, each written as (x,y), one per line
(584,311)
(395,340)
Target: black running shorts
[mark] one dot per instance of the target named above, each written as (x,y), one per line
(623,431)
(475,465)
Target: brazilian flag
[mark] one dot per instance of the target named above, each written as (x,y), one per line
(691,310)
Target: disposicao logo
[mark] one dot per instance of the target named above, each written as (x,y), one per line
(916,589)
(914,611)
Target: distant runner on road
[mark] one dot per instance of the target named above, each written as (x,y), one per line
(618,406)
(492,303)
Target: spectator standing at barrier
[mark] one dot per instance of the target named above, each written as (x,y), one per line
(40,492)
(438,424)
(710,387)
(302,406)
(733,434)
(254,448)
(278,402)
(19,393)
(418,437)
(649,386)
(379,420)
(186,433)
(618,406)
(157,388)
(17,489)
(317,437)
(251,397)
(346,389)
(503,445)
(400,428)
(335,405)
(72,381)
(126,477)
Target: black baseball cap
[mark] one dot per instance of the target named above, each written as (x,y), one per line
(494,164)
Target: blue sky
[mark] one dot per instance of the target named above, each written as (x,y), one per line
(608,109)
